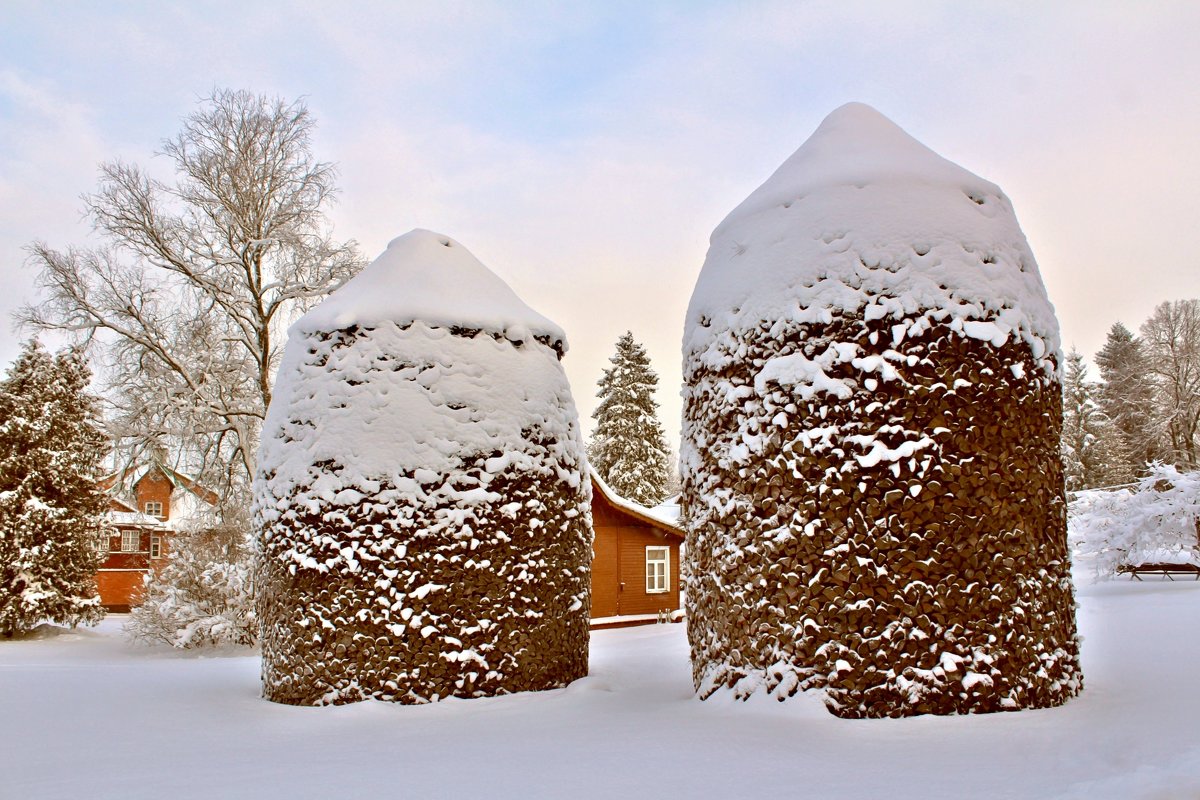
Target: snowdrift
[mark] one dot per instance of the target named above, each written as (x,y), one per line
(872,410)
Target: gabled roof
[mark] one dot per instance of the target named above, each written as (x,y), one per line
(178,480)
(633,509)
(115,484)
(668,510)
(117,505)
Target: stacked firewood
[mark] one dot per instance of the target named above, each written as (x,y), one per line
(424,585)
(900,542)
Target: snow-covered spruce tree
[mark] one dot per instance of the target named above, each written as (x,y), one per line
(1085,435)
(202,597)
(872,485)
(1127,399)
(629,449)
(51,449)
(423,515)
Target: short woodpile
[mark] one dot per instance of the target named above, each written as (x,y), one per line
(457,563)
(901,544)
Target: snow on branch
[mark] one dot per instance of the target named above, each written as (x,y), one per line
(1157,521)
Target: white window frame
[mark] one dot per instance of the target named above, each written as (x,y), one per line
(658,569)
(154,508)
(155,546)
(103,543)
(130,541)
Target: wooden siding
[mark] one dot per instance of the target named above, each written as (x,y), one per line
(619,563)
(606,569)
(154,487)
(119,589)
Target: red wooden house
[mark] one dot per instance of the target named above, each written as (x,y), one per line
(138,529)
(635,568)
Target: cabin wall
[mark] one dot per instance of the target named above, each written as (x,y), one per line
(120,589)
(619,563)
(634,598)
(119,579)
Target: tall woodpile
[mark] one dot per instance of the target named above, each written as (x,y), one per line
(463,568)
(872,489)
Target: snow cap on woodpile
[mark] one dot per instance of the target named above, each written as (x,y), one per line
(429,277)
(421,504)
(470,397)
(863,217)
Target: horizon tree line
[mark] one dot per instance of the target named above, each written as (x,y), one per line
(1145,407)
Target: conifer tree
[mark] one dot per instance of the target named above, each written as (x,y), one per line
(51,449)
(629,449)
(1085,434)
(1127,397)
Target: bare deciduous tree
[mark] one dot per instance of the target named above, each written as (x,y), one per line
(1172,340)
(196,279)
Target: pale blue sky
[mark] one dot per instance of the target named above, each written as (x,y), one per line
(585,151)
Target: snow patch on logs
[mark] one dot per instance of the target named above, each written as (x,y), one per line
(864,219)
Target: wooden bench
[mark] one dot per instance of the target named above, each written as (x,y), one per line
(1136,571)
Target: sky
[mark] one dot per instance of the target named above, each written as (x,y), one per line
(585,151)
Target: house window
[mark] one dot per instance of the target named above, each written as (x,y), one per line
(154,508)
(102,544)
(130,541)
(658,569)
(155,546)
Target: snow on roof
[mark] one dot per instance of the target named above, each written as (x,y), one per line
(864,218)
(428,277)
(125,505)
(133,518)
(668,510)
(651,515)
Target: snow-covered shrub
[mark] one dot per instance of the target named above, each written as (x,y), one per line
(872,407)
(202,596)
(423,516)
(1154,522)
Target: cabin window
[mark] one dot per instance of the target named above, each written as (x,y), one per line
(155,546)
(130,541)
(154,508)
(102,544)
(658,569)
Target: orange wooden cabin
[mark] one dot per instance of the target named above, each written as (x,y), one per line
(635,565)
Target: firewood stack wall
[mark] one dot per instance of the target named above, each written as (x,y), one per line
(424,585)
(900,543)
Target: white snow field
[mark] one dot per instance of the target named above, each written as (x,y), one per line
(87,714)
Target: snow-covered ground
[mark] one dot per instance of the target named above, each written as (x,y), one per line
(86,714)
